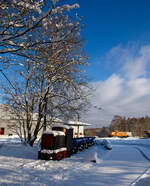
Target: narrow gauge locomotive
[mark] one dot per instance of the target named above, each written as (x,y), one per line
(59,143)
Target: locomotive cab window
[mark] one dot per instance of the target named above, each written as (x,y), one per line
(2,130)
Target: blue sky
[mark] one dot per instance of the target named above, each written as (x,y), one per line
(109,23)
(118,34)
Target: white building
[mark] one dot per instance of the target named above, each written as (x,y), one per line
(7,119)
(78,128)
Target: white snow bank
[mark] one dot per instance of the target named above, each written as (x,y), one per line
(9,139)
(128,141)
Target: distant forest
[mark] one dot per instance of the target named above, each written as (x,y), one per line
(135,125)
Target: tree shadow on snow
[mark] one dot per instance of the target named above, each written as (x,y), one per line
(18,150)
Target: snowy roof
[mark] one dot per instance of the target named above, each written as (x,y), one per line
(63,126)
(77,123)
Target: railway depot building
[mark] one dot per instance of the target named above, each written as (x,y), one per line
(7,119)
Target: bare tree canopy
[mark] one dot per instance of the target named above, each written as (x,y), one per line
(47,75)
(20,20)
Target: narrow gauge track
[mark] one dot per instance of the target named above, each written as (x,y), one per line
(143,154)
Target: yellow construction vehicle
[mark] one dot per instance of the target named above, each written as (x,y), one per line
(120,134)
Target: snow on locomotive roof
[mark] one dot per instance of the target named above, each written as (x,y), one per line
(55,133)
(63,126)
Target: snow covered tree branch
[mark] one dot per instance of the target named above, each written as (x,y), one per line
(49,82)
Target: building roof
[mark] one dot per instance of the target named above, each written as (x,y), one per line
(76,123)
(63,126)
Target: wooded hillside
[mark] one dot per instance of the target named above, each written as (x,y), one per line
(135,125)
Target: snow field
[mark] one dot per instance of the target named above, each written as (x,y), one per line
(123,165)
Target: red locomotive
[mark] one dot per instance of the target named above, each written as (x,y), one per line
(59,143)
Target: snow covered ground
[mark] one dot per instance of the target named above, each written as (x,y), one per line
(128,163)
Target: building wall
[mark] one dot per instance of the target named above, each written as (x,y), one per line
(7,119)
(78,131)
(4,124)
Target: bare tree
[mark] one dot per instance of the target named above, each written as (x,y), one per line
(50,84)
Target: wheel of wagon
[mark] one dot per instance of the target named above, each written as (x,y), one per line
(58,155)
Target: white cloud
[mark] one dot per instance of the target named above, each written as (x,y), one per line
(126,93)
(110,89)
(135,68)
(136,89)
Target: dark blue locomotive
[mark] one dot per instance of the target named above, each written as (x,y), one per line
(59,143)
